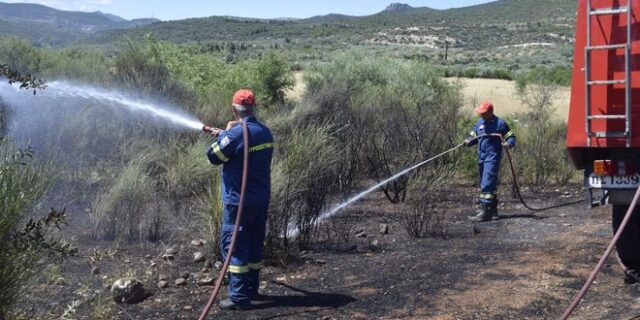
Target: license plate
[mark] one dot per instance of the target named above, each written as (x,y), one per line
(614,182)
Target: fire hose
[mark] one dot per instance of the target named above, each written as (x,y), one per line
(227,261)
(598,268)
(516,186)
(566,314)
(585,288)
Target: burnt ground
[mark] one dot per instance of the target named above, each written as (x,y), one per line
(523,266)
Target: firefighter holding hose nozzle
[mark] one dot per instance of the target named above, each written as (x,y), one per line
(491,134)
(228,151)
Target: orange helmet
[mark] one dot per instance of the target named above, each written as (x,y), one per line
(484,108)
(244,98)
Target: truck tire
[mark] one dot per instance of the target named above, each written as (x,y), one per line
(628,246)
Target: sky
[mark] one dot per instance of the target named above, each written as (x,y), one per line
(182,9)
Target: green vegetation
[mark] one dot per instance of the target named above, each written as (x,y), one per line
(500,39)
(540,133)
(22,183)
(482,26)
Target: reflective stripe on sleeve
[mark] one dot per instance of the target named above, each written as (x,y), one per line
(486,196)
(218,152)
(509,135)
(238,269)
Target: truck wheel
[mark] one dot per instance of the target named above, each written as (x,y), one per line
(628,246)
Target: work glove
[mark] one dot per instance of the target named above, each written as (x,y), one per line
(466,143)
(215,132)
(506,145)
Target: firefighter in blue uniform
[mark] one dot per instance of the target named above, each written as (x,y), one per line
(489,156)
(228,150)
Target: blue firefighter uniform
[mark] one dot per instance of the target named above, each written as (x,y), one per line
(228,150)
(490,154)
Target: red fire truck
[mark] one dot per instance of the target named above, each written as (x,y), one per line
(603,135)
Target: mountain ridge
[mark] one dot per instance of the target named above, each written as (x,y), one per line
(496,23)
(45,25)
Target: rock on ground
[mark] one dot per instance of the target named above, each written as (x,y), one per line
(129,291)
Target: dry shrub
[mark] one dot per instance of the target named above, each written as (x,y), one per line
(412,117)
(335,235)
(4,119)
(303,177)
(423,217)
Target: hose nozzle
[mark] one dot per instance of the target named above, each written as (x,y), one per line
(207,129)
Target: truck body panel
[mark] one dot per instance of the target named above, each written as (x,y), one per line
(608,62)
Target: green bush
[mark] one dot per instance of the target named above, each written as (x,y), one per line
(468,157)
(275,76)
(386,115)
(141,68)
(215,80)
(76,63)
(22,184)
(20,55)
(542,159)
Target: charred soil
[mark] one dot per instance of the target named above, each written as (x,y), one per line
(523,266)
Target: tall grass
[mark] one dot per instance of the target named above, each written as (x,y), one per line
(211,213)
(188,172)
(118,212)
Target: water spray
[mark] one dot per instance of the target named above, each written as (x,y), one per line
(62,92)
(293,232)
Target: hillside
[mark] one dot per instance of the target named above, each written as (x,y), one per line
(499,23)
(48,26)
(492,40)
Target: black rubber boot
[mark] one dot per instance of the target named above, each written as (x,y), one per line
(631,276)
(493,209)
(227,304)
(482,215)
